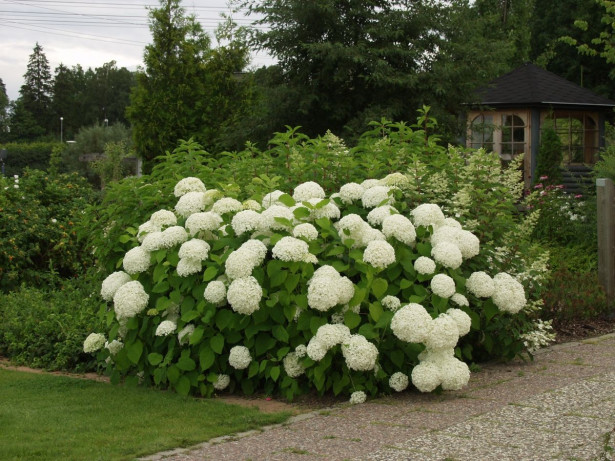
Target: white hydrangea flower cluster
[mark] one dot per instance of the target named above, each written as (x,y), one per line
(399,381)
(308,190)
(174,235)
(203,222)
(190,203)
(222,382)
(111,284)
(379,214)
(166,327)
(93,343)
(189,184)
(130,300)
(327,288)
(480,284)
(427,214)
(357,397)
(244,295)
(215,292)
(440,367)
(391,303)
(377,196)
(442,285)
(305,231)
(353,227)
(399,227)
(226,205)
(360,354)
(136,260)
(246,221)
(466,241)
(241,262)
(239,357)
(395,180)
(147,228)
(292,249)
(447,254)
(272,198)
(153,241)
(163,218)
(424,265)
(268,218)
(508,294)
(379,254)
(292,365)
(351,192)
(114,346)
(191,254)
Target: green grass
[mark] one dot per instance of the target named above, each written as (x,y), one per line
(48,417)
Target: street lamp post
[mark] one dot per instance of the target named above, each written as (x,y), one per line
(61,128)
(106,122)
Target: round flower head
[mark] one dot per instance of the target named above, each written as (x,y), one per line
(195,249)
(188,185)
(153,241)
(272,199)
(463,320)
(443,285)
(330,210)
(301,350)
(165,328)
(332,334)
(268,221)
(163,218)
(93,343)
(426,376)
(215,292)
(351,192)
(239,357)
(359,353)
(443,334)
(190,203)
(466,241)
(251,205)
(290,249)
(379,254)
(256,248)
(246,221)
(173,236)
(411,323)
(129,300)
(244,295)
(112,283)
(322,293)
(136,260)
(369,183)
(305,231)
(379,214)
(447,254)
(427,214)
(227,205)
(392,303)
(399,227)
(508,295)
(114,346)
(186,267)
(395,179)
(376,196)
(206,221)
(460,300)
(398,381)
(210,196)
(292,366)
(222,382)
(145,229)
(358,397)
(308,190)
(480,284)
(184,335)
(424,265)
(454,374)
(316,350)
(240,263)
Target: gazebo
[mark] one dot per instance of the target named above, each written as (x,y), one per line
(512,109)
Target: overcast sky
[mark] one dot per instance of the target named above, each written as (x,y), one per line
(87,32)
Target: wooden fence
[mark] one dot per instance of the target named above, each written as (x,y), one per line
(605,191)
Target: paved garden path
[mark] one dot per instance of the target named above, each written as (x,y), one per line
(561,406)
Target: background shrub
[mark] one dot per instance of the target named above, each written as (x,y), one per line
(43,328)
(34,155)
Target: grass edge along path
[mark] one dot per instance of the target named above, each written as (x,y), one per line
(49,417)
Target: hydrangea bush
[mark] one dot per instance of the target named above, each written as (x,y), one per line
(356,293)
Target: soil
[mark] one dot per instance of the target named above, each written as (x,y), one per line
(566,332)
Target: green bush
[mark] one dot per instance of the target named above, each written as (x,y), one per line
(34,155)
(550,155)
(38,216)
(44,329)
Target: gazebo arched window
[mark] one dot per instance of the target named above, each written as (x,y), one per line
(482,132)
(513,137)
(579,135)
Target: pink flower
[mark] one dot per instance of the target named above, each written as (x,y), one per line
(560,186)
(538,186)
(578,196)
(543,178)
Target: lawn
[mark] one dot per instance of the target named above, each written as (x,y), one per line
(48,417)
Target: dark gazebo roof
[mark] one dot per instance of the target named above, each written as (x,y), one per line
(531,86)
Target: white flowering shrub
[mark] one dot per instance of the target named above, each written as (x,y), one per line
(356,293)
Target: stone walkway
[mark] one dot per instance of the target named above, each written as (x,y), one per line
(561,406)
